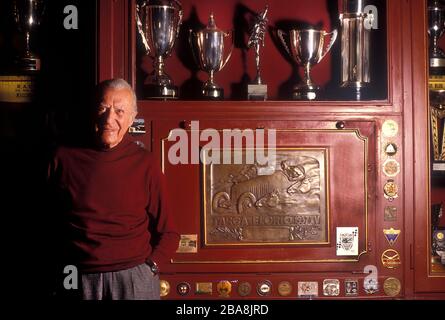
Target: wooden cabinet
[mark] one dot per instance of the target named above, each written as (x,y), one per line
(372,155)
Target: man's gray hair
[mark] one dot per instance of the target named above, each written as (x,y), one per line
(118,84)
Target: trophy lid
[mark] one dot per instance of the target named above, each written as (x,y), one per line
(211,25)
(436,5)
(352,6)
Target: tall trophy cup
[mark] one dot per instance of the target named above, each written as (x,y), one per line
(158,23)
(307,48)
(208,47)
(438,233)
(258,90)
(355,39)
(436,28)
(28,16)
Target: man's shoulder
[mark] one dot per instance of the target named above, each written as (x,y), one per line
(139,148)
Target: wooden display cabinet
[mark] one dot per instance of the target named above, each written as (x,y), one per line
(350,137)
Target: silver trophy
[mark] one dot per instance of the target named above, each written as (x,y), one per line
(208,46)
(355,42)
(436,28)
(158,23)
(258,90)
(28,16)
(307,48)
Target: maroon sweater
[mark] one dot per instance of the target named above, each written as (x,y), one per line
(118,212)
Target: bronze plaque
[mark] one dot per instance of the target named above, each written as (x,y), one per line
(285,202)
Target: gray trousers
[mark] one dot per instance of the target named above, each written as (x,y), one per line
(137,283)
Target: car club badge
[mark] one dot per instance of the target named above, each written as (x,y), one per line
(390,128)
(183,288)
(331,287)
(347,241)
(390,213)
(164,288)
(391,259)
(204,288)
(391,235)
(284,288)
(351,287)
(264,288)
(244,289)
(224,288)
(391,149)
(307,289)
(371,285)
(390,190)
(391,168)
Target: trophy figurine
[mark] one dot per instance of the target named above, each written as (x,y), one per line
(208,48)
(307,48)
(355,42)
(28,15)
(438,233)
(258,90)
(436,28)
(158,23)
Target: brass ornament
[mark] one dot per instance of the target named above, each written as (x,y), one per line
(224,288)
(164,286)
(244,289)
(284,288)
(390,128)
(391,168)
(391,259)
(392,287)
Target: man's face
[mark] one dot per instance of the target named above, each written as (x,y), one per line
(114,115)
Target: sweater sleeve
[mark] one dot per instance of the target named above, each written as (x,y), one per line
(165,237)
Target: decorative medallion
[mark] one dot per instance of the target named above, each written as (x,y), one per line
(391,235)
(351,287)
(244,289)
(264,288)
(391,259)
(392,287)
(204,288)
(391,168)
(284,288)
(164,288)
(307,289)
(390,128)
(331,287)
(224,288)
(391,149)
(390,190)
(183,288)
(390,213)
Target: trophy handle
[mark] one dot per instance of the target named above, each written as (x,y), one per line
(229,33)
(141,32)
(191,38)
(281,35)
(181,16)
(333,36)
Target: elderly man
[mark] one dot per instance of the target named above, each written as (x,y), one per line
(117,226)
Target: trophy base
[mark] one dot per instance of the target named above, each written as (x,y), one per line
(28,63)
(257,92)
(212,93)
(307,92)
(160,92)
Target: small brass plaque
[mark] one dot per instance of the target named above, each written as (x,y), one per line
(204,288)
(188,243)
(251,204)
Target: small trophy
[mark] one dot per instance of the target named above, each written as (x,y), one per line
(158,23)
(258,90)
(436,28)
(208,48)
(28,16)
(355,45)
(307,48)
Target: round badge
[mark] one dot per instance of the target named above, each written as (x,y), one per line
(440,236)
(164,288)
(183,288)
(224,288)
(284,288)
(244,289)
(264,288)
(390,128)
(392,287)
(391,259)
(391,168)
(391,149)
(390,190)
